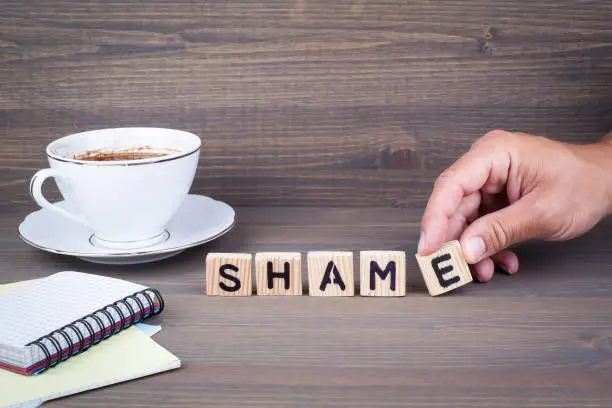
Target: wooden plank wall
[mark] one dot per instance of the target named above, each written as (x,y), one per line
(313,103)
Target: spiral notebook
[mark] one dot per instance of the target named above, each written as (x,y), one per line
(65,314)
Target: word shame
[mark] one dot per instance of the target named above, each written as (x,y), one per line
(330,273)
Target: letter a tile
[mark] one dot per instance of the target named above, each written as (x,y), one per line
(444,270)
(331,274)
(278,273)
(383,273)
(228,274)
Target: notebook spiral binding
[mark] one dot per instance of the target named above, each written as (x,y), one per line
(112,327)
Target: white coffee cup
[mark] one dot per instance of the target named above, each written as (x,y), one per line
(126,203)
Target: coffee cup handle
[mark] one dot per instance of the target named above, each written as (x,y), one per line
(36,192)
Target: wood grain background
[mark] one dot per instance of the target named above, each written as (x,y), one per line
(334,103)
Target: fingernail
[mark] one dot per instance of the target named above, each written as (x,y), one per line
(475,249)
(421,242)
(504,268)
(511,268)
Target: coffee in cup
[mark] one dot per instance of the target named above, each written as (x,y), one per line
(137,153)
(125,184)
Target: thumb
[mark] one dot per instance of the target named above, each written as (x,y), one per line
(498,230)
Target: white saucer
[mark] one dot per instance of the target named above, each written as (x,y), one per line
(199,219)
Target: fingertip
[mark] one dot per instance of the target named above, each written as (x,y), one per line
(483,270)
(512,265)
(517,265)
(432,237)
(474,249)
(507,260)
(421,244)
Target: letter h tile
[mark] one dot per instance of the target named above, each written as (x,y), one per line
(278,273)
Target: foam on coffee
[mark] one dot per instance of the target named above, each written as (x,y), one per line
(137,153)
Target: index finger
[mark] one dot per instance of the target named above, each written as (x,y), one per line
(481,167)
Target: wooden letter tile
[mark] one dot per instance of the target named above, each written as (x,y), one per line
(444,270)
(278,273)
(383,273)
(331,274)
(228,274)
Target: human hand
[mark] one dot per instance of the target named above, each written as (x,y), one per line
(511,187)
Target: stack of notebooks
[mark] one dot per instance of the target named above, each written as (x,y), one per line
(72,332)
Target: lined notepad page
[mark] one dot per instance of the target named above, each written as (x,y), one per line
(128,355)
(49,304)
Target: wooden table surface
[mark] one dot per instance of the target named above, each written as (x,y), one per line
(541,338)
